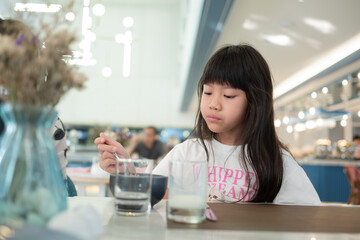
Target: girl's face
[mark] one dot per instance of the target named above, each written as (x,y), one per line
(223,109)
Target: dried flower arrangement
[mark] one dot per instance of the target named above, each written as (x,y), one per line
(33,68)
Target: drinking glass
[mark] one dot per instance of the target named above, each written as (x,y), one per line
(187,191)
(132,188)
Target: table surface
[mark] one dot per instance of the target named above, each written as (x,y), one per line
(154,225)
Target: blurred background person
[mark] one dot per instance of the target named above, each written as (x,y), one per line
(149,146)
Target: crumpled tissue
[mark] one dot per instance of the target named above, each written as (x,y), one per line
(83,222)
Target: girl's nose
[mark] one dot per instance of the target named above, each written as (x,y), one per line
(214,104)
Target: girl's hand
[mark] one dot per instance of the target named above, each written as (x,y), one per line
(107,147)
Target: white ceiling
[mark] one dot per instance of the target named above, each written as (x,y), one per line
(311,47)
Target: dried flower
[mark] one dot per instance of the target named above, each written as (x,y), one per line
(33,69)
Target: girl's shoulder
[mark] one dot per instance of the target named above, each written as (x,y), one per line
(289,162)
(286,155)
(189,149)
(190,143)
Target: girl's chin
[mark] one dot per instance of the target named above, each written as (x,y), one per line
(215,130)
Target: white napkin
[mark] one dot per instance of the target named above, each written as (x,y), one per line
(82,221)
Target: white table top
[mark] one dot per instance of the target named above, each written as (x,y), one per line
(153,226)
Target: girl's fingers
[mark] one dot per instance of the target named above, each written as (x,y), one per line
(103,139)
(108,140)
(108,165)
(107,162)
(106,155)
(99,140)
(106,148)
(107,144)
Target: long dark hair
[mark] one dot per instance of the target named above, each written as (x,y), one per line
(243,67)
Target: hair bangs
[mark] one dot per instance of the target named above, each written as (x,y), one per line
(225,68)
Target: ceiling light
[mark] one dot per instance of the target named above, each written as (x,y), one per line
(83,62)
(312,111)
(301,115)
(86,20)
(125,38)
(277,123)
(358,113)
(344,82)
(300,127)
(345,117)
(289,129)
(358,75)
(325,90)
(37,7)
(70,16)
(326,123)
(82,44)
(128,37)
(128,22)
(343,123)
(310,124)
(98,10)
(320,122)
(249,25)
(281,40)
(76,54)
(320,25)
(286,120)
(106,72)
(86,3)
(314,95)
(87,54)
(119,38)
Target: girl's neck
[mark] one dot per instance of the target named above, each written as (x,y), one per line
(227,139)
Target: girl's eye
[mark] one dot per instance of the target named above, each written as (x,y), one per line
(207,93)
(227,96)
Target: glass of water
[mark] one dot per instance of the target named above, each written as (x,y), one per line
(132,188)
(187,191)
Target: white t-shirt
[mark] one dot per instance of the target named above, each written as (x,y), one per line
(227,178)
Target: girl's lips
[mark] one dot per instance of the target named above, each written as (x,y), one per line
(213,118)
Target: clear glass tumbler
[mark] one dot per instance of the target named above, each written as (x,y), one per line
(132,188)
(187,191)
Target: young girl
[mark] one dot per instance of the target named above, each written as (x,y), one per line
(235,132)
